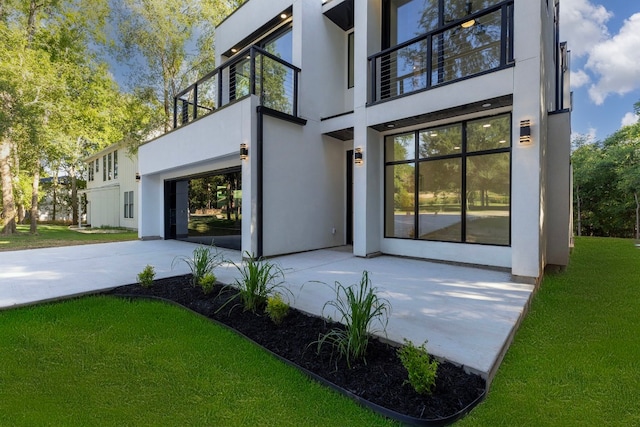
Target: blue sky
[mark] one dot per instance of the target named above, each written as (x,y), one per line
(604,39)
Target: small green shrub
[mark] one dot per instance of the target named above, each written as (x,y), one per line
(207,282)
(203,261)
(359,306)
(277,308)
(259,279)
(421,368)
(146,276)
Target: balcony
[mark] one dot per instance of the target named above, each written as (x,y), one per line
(479,43)
(253,71)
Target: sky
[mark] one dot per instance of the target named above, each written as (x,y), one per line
(604,39)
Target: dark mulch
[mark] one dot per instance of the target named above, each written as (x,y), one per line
(381,380)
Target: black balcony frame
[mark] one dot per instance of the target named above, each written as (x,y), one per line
(506,51)
(189,110)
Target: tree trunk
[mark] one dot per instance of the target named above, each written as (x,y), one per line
(31,20)
(579,213)
(54,199)
(74,196)
(35,188)
(635,195)
(8,204)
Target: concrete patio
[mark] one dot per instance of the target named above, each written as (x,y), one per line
(468,315)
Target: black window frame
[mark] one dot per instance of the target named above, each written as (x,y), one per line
(463,155)
(350,60)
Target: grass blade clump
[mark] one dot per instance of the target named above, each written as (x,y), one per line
(259,279)
(203,261)
(359,307)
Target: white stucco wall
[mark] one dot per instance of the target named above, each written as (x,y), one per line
(206,145)
(304,188)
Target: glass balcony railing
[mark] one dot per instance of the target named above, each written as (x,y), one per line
(479,43)
(254,71)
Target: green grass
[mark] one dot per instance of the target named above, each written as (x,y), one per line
(576,359)
(105,361)
(209,225)
(58,235)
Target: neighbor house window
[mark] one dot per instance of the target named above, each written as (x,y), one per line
(104,168)
(110,165)
(97,165)
(115,164)
(91,171)
(128,204)
(450,183)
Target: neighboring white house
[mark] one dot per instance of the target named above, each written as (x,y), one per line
(112,188)
(437,129)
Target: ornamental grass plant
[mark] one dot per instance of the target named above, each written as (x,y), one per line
(359,307)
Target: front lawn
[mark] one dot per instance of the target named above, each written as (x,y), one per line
(576,359)
(107,361)
(59,235)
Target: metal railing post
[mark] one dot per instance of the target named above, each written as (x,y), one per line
(195,101)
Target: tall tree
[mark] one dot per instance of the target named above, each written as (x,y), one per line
(607,184)
(167,44)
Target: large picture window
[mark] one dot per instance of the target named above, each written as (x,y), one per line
(450,183)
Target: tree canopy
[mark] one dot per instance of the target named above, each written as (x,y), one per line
(59,101)
(607,184)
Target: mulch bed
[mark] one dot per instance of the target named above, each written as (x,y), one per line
(380,381)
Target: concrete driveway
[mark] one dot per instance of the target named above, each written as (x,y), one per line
(467,315)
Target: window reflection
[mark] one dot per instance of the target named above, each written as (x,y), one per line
(488,199)
(440,200)
(400,201)
(463,183)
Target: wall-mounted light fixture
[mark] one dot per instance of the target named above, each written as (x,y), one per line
(468,24)
(244,151)
(137,176)
(525,132)
(357,156)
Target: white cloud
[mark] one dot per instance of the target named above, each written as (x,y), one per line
(588,137)
(582,25)
(629,119)
(615,62)
(579,78)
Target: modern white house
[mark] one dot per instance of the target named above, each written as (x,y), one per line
(434,129)
(112,188)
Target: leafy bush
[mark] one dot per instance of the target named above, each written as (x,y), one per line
(358,306)
(207,282)
(259,279)
(146,276)
(277,308)
(203,261)
(421,368)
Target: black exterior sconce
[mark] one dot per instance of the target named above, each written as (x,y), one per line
(357,156)
(525,132)
(244,151)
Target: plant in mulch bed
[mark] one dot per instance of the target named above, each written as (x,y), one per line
(203,261)
(422,369)
(277,309)
(207,282)
(146,276)
(259,279)
(381,381)
(359,306)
